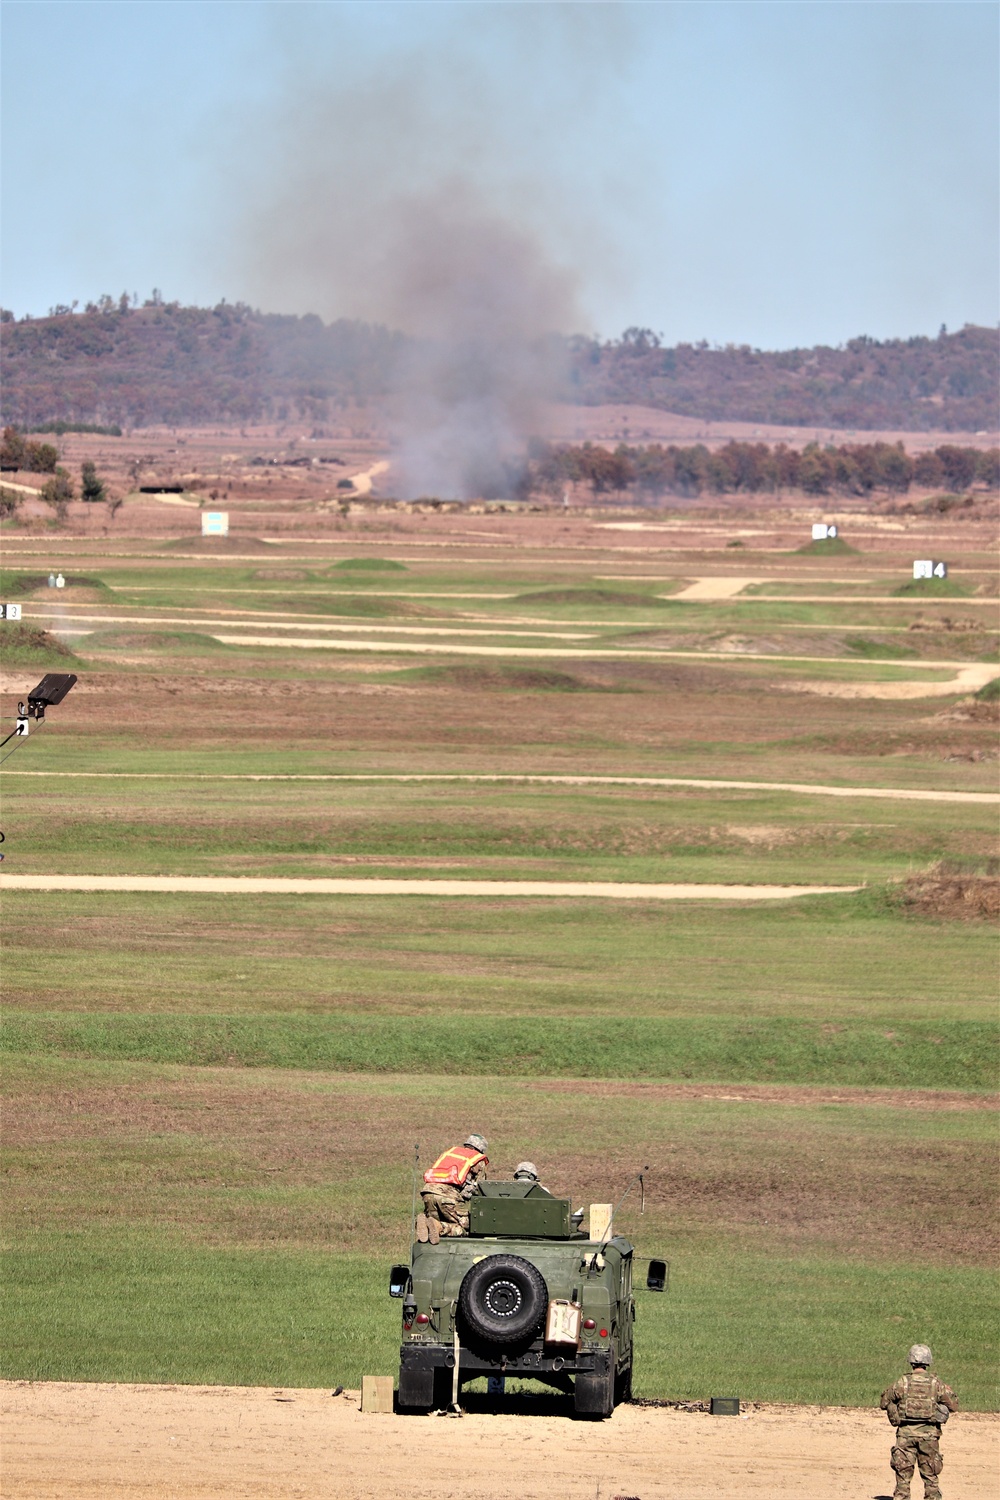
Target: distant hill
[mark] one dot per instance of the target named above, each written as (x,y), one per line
(948,383)
(189,366)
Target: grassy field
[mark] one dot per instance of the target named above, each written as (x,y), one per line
(212,1100)
(203,1224)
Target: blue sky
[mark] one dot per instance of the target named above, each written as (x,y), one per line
(773,174)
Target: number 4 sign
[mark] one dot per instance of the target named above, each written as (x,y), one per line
(926,568)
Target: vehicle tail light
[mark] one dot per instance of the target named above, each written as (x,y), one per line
(422,1318)
(604,1333)
(589,1324)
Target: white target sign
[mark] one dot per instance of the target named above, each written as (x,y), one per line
(927,568)
(821,532)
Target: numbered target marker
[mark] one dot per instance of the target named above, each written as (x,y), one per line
(10,611)
(928,568)
(821,532)
(215,523)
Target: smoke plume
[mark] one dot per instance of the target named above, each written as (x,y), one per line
(405,195)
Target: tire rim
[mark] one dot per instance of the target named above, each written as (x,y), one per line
(503,1299)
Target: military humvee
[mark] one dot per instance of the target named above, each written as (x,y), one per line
(525,1293)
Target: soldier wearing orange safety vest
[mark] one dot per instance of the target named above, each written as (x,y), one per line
(448,1186)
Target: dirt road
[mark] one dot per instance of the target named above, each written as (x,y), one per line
(804,788)
(90,1442)
(966,679)
(319,886)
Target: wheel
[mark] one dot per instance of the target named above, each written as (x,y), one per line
(623,1386)
(503,1299)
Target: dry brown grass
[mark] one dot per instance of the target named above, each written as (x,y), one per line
(945,892)
(263,1157)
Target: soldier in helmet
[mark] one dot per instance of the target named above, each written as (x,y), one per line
(448,1186)
(918,1405)
(527,1172)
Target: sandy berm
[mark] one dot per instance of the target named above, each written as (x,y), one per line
(141,1442)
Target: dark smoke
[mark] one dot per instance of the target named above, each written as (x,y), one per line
(406,198)
(481,298)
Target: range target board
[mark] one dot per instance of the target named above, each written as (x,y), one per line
(821,532)
(927,568)
(10,611)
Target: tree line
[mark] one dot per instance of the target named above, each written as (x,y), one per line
(755,468)
(946,383)
(121,363)
(17,452)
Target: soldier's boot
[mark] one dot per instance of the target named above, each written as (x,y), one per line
(433,1231)
(423,1233)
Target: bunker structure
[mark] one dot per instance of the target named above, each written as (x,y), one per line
(527,1293)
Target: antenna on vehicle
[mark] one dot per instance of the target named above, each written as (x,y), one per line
(639,1178)
(413,1213)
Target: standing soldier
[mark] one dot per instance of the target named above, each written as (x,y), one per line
(448,1186)
(918,1405)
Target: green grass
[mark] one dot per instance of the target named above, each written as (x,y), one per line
(500,678)
(23,645)
(932,588)
(106,1306)
(183,643)
(936,1054)
(991,692)
(865,646)
(15,583)
(236,1225)
(829,959)
(596,597)
(833,546)
(503,830)
(211,1098)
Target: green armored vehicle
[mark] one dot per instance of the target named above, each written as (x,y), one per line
(526,1293)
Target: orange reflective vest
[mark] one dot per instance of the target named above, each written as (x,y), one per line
(455,1165)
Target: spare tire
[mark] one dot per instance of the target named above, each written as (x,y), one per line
(503,1299)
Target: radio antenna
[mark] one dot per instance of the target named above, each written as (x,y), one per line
(413,1213)
(641,1179)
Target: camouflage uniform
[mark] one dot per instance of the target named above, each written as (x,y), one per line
(918,1437)
(449,1205)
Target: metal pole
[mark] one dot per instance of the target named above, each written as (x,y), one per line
(413,1210)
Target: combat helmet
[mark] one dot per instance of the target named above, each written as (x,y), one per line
(526,1169)
(477,1142)
(920,1354)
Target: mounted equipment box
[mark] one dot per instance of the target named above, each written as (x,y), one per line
(533,1217)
